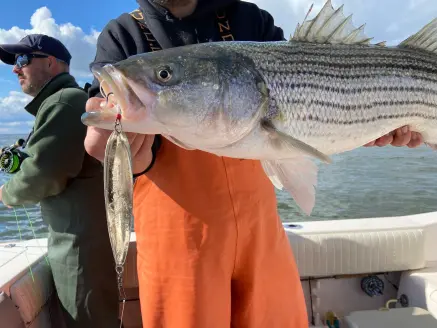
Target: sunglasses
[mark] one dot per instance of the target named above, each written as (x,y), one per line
(24,60)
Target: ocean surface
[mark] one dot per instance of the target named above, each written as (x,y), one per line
(366,182)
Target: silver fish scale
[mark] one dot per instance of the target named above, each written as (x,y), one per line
(328,90)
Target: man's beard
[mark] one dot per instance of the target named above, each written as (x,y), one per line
(172,3)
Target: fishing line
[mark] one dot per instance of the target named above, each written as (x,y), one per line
(21,240)
(121,291)
(34,235)
(25,250)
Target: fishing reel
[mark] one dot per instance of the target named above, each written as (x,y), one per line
(11,157)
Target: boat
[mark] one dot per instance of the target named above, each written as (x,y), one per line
(364,273)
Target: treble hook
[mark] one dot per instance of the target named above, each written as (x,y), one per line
(102,92)
(117,125)
(106,96)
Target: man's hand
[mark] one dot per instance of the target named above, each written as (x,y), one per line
(398,138)
(1,196)
(96,139)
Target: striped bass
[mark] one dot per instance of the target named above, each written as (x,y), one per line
(325,91)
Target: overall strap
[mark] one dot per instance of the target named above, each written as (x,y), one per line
(222,22)
(224,26)
(138,15)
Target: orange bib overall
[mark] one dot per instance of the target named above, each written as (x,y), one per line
(212,252)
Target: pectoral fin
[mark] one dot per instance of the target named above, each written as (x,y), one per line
(281,139)
(177,142)
(298,176)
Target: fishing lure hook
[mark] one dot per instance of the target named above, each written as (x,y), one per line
(117,124)
(106,96)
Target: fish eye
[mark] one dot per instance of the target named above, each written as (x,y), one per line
(164,74)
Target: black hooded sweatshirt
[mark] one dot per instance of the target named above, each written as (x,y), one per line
(122,37)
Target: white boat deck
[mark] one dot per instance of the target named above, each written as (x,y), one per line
(16,257)
(332,256)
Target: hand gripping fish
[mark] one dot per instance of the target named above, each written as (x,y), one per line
(325,91)
(118,183)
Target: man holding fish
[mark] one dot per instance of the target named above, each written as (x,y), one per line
(212,251)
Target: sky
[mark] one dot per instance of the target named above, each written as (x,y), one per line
(78,23)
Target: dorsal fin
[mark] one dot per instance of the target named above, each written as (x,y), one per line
(330,26)
(381,44)
(425,39)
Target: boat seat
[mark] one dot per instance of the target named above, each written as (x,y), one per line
(341,253)
(10,317)
(321,254)
(393,318)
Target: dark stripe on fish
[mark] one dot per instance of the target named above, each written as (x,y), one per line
(353,90)
(328,104)
(344,52)
(365,120)
(401,67)
(350,76)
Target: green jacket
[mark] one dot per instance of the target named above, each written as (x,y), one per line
(59,174)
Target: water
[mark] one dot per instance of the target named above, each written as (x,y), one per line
(367,182)
(17,223)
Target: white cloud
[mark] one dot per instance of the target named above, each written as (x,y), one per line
(13,103)
(14,118)
(80,44)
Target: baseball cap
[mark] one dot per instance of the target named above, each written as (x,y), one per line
(34,42)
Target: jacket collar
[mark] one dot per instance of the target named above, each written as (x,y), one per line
(60,81)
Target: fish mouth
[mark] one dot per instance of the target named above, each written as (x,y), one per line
(113,87)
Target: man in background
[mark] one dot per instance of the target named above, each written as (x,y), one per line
(66,181)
